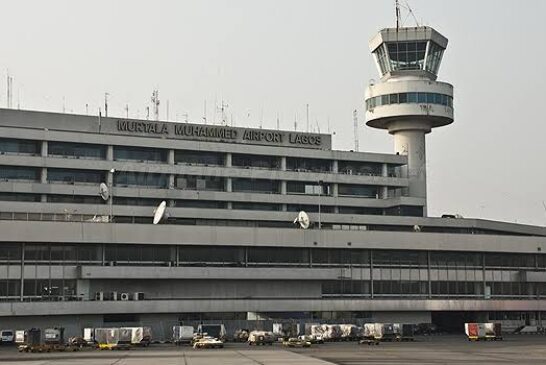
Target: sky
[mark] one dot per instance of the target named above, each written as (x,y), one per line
(267,59)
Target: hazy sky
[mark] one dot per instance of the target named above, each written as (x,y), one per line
(269,58)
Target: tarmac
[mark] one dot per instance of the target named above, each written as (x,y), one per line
(446,349)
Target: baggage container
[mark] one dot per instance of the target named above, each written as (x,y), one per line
(261,338)
(212,330)
(483,331)
(182,334)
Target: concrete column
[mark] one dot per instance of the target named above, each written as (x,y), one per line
(384,193)
(228,159)
(283,163)
(170,161)
(335,168)
(110,153)
(228,188)
(283,187)
(284,208)
(335,189)
(411,142)
(44,148)
(43,172)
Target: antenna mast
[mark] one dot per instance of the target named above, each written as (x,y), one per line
(355,121)
(397,9)
(307,116)
(9,91)
(106,104)
(155,102)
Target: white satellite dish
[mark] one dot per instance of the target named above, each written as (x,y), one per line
(302,219)
(159,212)
(103,191)
(417,228)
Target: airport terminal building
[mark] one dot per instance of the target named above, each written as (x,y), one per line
(227,247)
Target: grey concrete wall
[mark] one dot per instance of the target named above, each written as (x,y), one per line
(72,232)
(403,317)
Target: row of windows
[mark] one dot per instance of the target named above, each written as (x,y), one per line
(411,98)
(412,55)
(401,288)
(183,182)
(239,255)
(188,157)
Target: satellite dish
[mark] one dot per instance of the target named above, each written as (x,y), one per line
(103,191)
(302,219)
(417,228)
(159,212)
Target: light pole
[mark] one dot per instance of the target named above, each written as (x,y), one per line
(111,198)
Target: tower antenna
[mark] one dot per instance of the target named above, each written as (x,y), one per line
(355,121)
(307,115)
(106,95)
(397,10)
(9,91)
(155,102)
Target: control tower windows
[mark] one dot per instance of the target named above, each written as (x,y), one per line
(409,98)
(434,58)
(406,55)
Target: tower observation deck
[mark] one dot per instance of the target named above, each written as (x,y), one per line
(408,101)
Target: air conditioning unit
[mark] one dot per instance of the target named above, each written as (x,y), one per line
(124,296)
(138,296)
(99,295)
(113,295)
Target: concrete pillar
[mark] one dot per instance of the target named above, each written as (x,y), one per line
(283,163)
(384,194)
(170,161)
(228,189)
(43,172)
(409,140)
(110,153)
(335,167)
(283,187)
(335,189)
(228,159)
(44,148)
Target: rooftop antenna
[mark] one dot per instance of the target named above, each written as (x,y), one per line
(86,108)
(64,108)
(155,102)
(544,205)
(397,10)
(147,113)
(9,90)
(296,121)
(222,110)
(106,95)
(205,111)
(262,119)
(126,110)
(278,122)
(318,126)
(167,109)
(307,116)
(355,121)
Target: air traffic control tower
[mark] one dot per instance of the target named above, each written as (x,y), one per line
(408,101)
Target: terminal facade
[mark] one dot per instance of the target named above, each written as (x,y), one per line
(227,248)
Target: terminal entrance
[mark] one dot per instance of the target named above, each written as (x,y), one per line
(453,322)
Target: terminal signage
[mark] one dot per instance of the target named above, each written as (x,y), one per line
(223,134)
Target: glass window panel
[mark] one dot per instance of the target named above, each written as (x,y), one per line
(19,146)
(412,97)
(71,176)
(125,153)
(421,97)
(76,150)
(403,98)
(393,98)
(8,173)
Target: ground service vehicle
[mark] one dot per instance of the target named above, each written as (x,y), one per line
(113,338)
(208,342)
(212,330)
(261,338)
(483,331)
(7,336)
(296,342)
(404,331)
(182,334)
